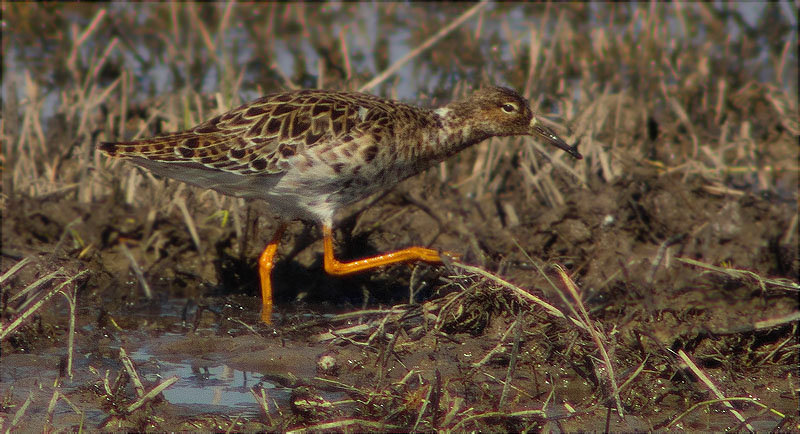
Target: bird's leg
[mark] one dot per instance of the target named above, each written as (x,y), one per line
(410,254)
(265,265)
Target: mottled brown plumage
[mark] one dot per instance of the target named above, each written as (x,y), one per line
(310,152)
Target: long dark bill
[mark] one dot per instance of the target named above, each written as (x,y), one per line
(552,138)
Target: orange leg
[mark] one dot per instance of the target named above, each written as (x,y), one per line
(265,265)
(333,266)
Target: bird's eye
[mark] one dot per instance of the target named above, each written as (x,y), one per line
(508,108)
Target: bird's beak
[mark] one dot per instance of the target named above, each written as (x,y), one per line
(542,131)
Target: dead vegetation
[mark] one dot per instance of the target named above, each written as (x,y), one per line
(650,286)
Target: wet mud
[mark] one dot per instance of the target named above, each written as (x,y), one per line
(662,265)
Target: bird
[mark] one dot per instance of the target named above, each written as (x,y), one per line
(310,152)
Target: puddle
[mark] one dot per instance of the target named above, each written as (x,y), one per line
(205,385)
(207,389)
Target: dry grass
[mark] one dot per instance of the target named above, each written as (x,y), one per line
(685,92)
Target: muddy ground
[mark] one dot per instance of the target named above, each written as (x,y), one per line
(440,363)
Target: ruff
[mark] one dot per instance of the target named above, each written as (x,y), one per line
(309,153)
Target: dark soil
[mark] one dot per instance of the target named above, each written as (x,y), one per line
(621,243)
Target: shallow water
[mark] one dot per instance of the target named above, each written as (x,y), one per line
(205,388)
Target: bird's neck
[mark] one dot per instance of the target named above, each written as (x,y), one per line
(448,131)
(457,132)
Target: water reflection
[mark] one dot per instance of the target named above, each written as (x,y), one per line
(207,389)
